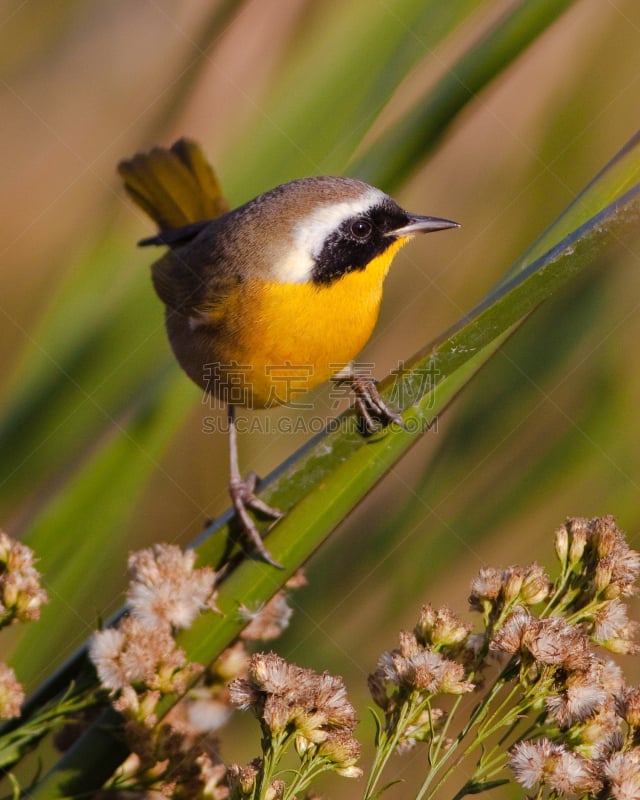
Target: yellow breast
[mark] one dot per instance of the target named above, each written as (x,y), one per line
(284,338)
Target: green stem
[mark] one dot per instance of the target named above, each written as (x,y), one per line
(488,767)
(489,726)
(484,770)
(512,718)
(435,752)
(476,718)
(273,748)
(496,766)
(14,742)
(560,588)
(308,772)
(586,611)
(389,743)
(482,709)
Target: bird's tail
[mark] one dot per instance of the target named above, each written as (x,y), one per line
(175,186)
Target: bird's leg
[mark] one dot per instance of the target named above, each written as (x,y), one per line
(242,492)
(374,412)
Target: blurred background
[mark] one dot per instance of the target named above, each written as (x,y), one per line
(101,436)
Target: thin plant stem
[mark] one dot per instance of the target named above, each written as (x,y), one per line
(476,718)
(388,746)
(272,754)
(304,777)
(433,755)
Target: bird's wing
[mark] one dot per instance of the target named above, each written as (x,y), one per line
(201,294)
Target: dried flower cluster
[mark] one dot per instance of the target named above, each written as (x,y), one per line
(20,592)
(588,713)
(166,591)
(21,596)
(599,569)
(11,693)
(294,705)
(559,712)
(495,591)
(139,662)
(409,677)
(269,621)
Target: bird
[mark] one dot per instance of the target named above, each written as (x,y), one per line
(281,292)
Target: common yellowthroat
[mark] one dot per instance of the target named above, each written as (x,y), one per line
(283,289)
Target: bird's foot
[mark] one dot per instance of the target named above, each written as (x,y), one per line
(374,412)
(243,498)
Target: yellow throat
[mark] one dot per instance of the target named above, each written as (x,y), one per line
(301,333)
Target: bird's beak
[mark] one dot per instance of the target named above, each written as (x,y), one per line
(417,224)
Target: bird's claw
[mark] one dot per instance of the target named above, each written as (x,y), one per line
(243,497)
(373,411)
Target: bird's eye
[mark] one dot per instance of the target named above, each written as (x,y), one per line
(361,228)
